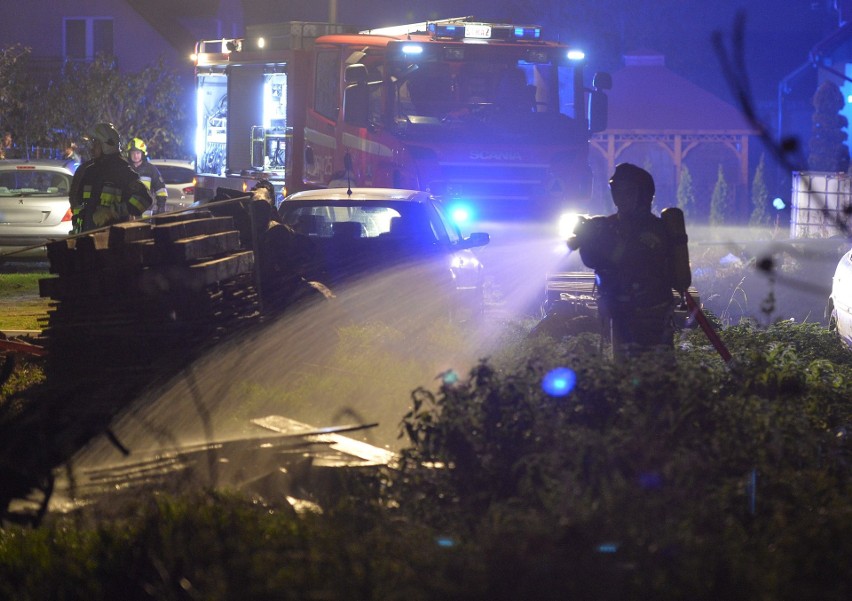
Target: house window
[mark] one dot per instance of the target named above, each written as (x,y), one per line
(86,37)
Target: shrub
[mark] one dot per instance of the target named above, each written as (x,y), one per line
(665,477)
(686,481)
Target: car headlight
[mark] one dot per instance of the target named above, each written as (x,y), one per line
(458,262)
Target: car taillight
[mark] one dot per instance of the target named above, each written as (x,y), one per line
(188,190)
(68,215)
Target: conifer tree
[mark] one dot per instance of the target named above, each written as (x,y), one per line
(685,193)
(828,151)
(719,200)
(759,195)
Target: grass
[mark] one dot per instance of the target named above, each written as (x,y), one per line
(21,307)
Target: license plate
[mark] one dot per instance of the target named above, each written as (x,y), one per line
(477,31)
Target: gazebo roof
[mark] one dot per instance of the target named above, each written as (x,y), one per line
(647,96)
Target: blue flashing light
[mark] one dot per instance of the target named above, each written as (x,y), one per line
(461,214)
(607,547)
(559,381)
(576,55)
(443,30)
(779,204)
(445,542)
(412,49)
(527,33)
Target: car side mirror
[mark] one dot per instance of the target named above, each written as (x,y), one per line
(598,109)
(476,239)
(602,81)
(356,73)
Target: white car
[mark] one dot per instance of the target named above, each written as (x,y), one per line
(404,235)
(34,206)
(179,177)
(840,302)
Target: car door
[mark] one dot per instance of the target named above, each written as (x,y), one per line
(842,297)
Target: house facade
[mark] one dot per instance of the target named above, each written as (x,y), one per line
(136,32)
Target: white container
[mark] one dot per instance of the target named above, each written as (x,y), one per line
(821,204)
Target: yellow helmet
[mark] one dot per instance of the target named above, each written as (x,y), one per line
(137,144)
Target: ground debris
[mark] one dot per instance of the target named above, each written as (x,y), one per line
(132,304)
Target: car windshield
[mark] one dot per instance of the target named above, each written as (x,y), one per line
(34,182)
(173,174)
(367,220)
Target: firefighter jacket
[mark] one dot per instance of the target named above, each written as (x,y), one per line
(632,258)
(107,191)
(152,179)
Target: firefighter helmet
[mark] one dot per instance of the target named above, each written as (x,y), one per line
(266,185)
(137,144)
(107,135)
(627,173)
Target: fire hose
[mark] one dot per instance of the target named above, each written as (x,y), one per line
(705,324)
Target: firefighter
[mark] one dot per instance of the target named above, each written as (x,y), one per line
(105,189)
(137,156)
(638,261)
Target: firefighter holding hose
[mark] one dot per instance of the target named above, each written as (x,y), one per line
(639,259)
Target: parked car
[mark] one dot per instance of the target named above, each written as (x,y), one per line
(840,302)
(405,235)
(179,176)
(34,206)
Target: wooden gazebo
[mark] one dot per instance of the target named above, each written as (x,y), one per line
(661,122)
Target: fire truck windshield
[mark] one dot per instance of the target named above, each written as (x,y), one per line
(445,91)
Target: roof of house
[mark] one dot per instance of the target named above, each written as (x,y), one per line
(646,95)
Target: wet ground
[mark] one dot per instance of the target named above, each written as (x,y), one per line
(331,367)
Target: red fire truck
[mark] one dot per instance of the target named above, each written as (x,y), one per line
(490,117)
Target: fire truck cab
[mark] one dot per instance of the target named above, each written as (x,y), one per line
(490,117)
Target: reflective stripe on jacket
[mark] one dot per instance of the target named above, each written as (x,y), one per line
(109,181)
(153,180)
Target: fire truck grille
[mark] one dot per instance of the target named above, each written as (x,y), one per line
(493,182)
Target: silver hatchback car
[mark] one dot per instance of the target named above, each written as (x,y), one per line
(34,206)
(404,235)
(179,177)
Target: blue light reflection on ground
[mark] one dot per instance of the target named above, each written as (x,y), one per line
(559,381)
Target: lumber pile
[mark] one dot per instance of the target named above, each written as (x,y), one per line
(145,294)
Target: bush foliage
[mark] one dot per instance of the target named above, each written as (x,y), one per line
(51,110)
(694,481)
(666,477)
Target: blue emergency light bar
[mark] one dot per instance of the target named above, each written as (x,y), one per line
(484,31)
(527,33)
